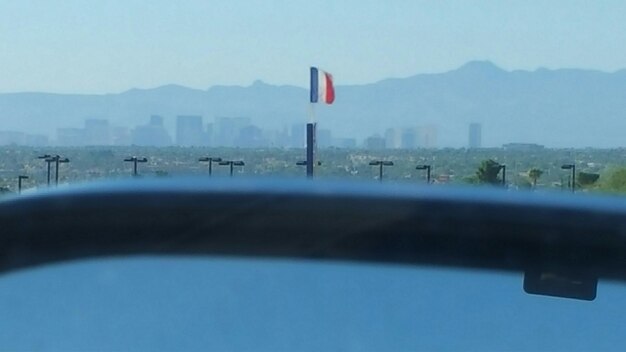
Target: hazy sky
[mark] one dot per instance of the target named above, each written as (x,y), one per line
(84,46)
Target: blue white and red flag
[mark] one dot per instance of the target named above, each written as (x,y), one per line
(322,88)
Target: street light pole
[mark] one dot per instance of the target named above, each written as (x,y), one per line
(305,163)
(210,160)
(232,164)
(19,182)
(57,160)
(381,164)
(46,159)
(136,160)
(427,168)
(573,168)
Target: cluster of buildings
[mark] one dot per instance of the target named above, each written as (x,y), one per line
(404,138)
(191,130)
(21,138)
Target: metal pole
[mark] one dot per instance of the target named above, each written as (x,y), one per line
(19,183)
(231,168)
(210,166)
(573,178)
(48,162)
(310,148)
(428,174)
(380,172)
(134,166)
(56,171)
(504,175)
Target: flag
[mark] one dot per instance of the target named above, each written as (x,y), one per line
(322,86)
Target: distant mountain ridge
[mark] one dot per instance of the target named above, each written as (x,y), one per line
(558,108)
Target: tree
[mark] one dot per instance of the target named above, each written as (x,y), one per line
(534,174)
(615,182)
(587,178)
(488,172)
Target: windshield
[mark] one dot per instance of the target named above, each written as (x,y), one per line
(162,304)
(512,97)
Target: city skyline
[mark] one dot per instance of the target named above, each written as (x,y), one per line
(513,107)
(193,130)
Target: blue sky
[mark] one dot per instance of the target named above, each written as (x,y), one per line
(76,46)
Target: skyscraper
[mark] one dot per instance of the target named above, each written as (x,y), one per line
(298,135)
(374,142)
(324,138)
(152,133)
(475,135)
(227,130)
(393,138)
(408,138)
(190,131)
(427,136)
(97,132)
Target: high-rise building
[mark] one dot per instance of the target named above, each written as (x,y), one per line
(279,138)
(228,129)
(427,136)
(250,137)
(408,138)
(475,135)
(152,134)
(71,136)
(156,120)
(375,142)
(120,136)
(11,137)
(190,131)
(209,130)
(324,138)
(348,143)
(37,140)
(298,135)
(97,132)
(393,138)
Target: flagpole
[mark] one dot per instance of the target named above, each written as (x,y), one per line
(310,141)
(311,112)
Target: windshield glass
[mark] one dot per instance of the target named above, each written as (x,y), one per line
(223,304)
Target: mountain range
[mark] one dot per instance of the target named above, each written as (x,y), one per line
(557,108)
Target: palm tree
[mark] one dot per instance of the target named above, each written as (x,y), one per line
(488,172)
(534,174)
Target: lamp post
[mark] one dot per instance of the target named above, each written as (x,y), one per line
(19,182)
(573,168)
(57,159)
(503,167)
(135,160)
(305,163)
(210,160)
(381,164)
(46,158)
(427,168)
(232,163)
